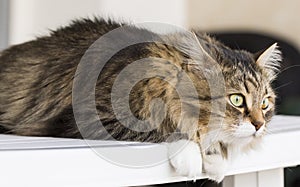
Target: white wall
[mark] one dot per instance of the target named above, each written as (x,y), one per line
(3,23)
(30,18)
(165,11)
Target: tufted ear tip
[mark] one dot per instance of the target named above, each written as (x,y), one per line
(270,59)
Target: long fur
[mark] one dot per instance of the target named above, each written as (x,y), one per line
(36,81)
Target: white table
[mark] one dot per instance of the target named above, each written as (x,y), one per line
(34,161)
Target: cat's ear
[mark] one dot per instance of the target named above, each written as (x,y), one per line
(269,60)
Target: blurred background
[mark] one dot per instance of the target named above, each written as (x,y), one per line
(251,25)
(23,20)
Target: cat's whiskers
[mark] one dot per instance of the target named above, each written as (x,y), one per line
(297,65)
(283,85)
(268,131)
(278,73)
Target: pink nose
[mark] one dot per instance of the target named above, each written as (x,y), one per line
(257,124)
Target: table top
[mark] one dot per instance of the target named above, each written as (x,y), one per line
(36,161)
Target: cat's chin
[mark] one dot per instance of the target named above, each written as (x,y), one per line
(241,141)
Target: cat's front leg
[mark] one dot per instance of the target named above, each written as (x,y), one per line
(215,165)
(185,157)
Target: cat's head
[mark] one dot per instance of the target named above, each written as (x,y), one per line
(249,96)
(236,98)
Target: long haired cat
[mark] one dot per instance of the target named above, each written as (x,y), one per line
(228,110)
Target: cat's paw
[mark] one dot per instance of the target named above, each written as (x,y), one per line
(185,157)
(215,167)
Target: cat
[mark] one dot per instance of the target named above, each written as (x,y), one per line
(225,110)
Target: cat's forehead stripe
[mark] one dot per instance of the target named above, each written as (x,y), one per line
(253,82)
(246,87)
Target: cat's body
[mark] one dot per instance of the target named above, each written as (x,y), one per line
(36,82)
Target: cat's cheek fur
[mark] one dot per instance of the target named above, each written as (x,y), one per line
(245,130)
(185,157)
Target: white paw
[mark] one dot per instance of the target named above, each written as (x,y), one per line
(215,167)
(185,157)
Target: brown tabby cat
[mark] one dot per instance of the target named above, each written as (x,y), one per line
(37,79)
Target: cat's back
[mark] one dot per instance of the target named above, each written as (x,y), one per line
(36,77)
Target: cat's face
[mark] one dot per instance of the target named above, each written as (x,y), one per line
(250,98)
(250,106)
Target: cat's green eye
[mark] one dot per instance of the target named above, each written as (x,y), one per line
(265,104)
(237,100)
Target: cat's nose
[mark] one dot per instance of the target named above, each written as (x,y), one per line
(257,124)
